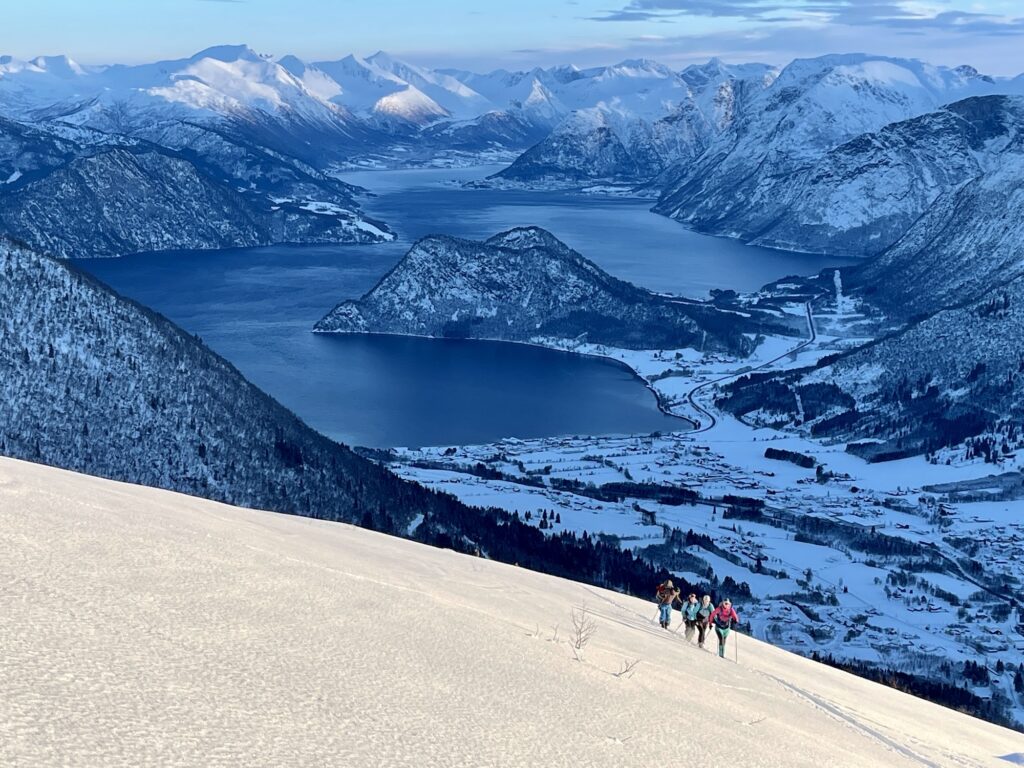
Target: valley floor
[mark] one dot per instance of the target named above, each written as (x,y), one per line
(866,563)
(143,627)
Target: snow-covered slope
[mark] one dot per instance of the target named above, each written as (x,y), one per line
(748,177)
(633,120)
(121,195)
(969,160)
(865,194)
(372,91)
(95,383)
(165,629)
(231,86)
(523,284)
(455,97)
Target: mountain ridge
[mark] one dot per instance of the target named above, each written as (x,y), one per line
(125,394)
(110,195)
(744,182)
(523,284)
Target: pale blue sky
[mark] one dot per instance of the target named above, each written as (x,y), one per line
(518,33)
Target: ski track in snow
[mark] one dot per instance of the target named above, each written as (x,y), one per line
(847,717)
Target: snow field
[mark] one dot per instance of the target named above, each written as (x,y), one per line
(148,628)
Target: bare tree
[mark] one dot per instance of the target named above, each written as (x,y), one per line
(554,634)
(583,630)
(627,669)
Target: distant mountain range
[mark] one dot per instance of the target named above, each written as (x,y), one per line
(745,151)
(336,110)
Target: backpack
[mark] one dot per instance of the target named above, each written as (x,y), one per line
(725,623)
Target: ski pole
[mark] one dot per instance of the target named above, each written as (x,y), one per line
(736,647)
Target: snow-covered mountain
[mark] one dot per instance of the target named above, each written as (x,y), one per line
(282,634)
(584,146)
(955,180)
(958,182)
(720,89)
(751,175)
(523,284)
(232,87)
(952,286)
(455,97)
(633,120)
(95,383)
(79,192)
(530,93)
(368,90)
(864,195)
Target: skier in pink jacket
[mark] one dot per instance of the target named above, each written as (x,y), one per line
(722,619)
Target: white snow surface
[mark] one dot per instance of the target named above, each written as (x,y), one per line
(143,627)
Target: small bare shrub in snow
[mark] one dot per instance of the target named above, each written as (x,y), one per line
(627,669)
(583,630)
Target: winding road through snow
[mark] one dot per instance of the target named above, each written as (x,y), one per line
(711,420)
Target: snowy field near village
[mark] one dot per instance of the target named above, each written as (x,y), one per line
(143,627)
(807,594)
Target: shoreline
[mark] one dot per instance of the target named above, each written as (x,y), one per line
(658,397)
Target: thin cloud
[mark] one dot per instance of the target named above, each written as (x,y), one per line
(859,13)
(960,21)
(628,15)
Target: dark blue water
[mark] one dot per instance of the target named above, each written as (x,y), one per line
(619,234)
(256,308)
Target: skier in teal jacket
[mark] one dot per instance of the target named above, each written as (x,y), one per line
(704,611)
(689,610)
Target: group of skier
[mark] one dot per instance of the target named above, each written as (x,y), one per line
(698,615)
